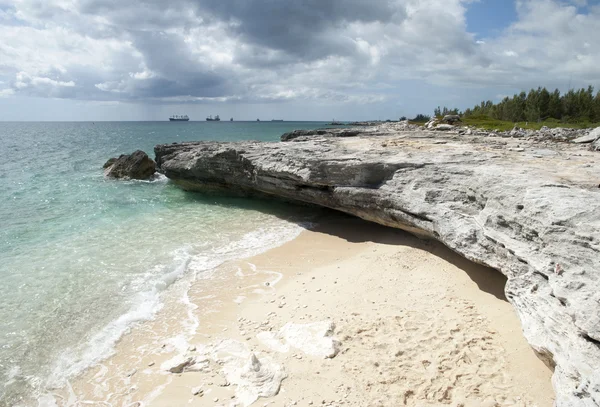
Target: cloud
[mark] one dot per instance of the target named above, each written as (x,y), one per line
(6,93)
(268,51)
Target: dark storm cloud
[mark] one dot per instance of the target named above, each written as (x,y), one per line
(268,33)
(180,73)
(273,33)
(304,28)
(148,15)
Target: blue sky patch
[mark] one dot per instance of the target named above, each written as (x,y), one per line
(488,18)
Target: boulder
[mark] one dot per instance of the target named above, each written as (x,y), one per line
(444,127)
(590,137)
(109,163)
(136,165)
(451,118)
(532,215)
(431,124)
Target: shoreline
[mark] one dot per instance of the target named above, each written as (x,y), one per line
(377,285)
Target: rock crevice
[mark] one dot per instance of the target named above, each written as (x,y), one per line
(528,209)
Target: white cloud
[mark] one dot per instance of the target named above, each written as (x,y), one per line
(24,80)
(193,51)
(6,93)
(145,74)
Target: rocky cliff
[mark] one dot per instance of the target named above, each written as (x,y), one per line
(527,208)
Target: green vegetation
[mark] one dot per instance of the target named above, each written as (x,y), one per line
(438,112)
(533,110)
(488,123)
(421,118)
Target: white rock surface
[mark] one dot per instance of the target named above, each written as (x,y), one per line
(533,215)
(315,339)
(256,378)
(592,136)
(253,375)
(273,341)
(444,127)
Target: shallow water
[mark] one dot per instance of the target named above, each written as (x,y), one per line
(82,258)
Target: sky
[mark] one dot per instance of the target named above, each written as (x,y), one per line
(285,59)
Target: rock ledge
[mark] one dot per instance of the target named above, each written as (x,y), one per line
(526,208)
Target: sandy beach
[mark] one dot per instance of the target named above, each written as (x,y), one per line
(347,314)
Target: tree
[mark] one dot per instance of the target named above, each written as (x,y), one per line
(544,103)
(596,109)
(555,105)
(532,106)
(421,118)
(539,104)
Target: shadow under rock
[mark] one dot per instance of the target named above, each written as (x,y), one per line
(354,229)
(357,230)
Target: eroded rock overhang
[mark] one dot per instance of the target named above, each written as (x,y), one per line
(528,209)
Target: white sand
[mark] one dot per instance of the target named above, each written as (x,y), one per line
(351,314)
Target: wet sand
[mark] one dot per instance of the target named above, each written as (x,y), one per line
(347,314)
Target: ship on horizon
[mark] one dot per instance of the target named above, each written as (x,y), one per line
(179,118)
(213,119)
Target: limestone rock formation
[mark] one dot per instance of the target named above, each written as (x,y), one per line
(431,123)
(451,118)
(528,208)
(592,136)
(319,132)
(444,127)
(136,165)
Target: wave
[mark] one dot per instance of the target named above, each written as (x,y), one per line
(145,305)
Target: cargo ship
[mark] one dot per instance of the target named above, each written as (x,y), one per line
(213,119)
(178,118)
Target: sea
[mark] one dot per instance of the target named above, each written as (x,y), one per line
(83,258)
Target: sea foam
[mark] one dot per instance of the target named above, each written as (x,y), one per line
(101,345)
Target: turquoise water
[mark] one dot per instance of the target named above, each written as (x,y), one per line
(82,258)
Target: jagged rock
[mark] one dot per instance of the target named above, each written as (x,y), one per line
(178,363)
(533,215)
(431,124)
(130,166)
(595,146)
(444,127)
(109,163)
(451,118)
(585,139)
(257,378)
(590,137)
(319,132)
(302,133)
